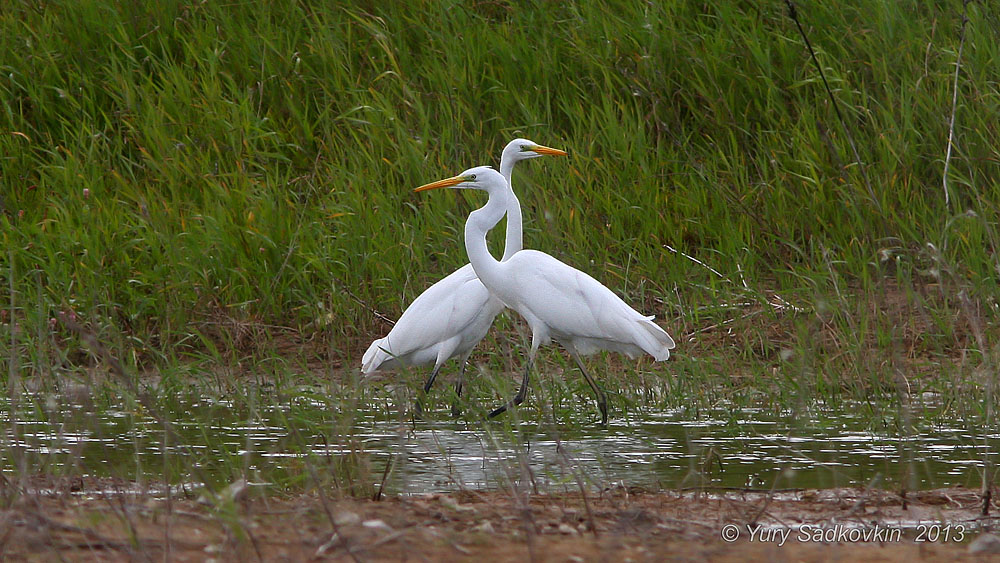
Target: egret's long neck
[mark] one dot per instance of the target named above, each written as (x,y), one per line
(513,242)
(479,223)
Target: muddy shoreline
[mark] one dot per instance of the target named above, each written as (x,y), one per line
(78,521)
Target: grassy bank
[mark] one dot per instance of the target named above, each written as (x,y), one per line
(219,181)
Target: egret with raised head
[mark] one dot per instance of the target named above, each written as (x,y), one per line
(557,301)
(449,318)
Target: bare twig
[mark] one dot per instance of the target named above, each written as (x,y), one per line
(780,306)
(372,310)
(385,475)
(954,102)
(695,260)
(972,313)
(864,496)
(321,491)
(578,476)
(793,13)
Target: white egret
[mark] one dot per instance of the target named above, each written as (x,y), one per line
(558,301)
(454,314)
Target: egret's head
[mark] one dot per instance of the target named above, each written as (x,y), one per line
(523,149)
(478,178)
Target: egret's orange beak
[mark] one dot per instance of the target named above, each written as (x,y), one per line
(548,151)
(446,183)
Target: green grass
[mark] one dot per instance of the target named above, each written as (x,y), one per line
(255,165)
(205,183)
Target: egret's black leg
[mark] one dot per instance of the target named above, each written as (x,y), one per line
(427,387)
(456,411)
(521,393)
(602,398)
(430,380)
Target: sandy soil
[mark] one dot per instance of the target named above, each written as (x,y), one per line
(78,521)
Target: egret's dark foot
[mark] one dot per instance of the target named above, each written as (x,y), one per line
(456,411)
(517,400)
(522,392)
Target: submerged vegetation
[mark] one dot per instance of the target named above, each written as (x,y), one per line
(221,194)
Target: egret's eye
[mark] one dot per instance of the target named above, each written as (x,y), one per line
(472,178)
(525,148)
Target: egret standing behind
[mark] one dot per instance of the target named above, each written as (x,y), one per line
(453,315)
(558,301)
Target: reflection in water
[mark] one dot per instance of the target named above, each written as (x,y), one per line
(722,448)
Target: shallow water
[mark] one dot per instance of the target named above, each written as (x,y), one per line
(725,447)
